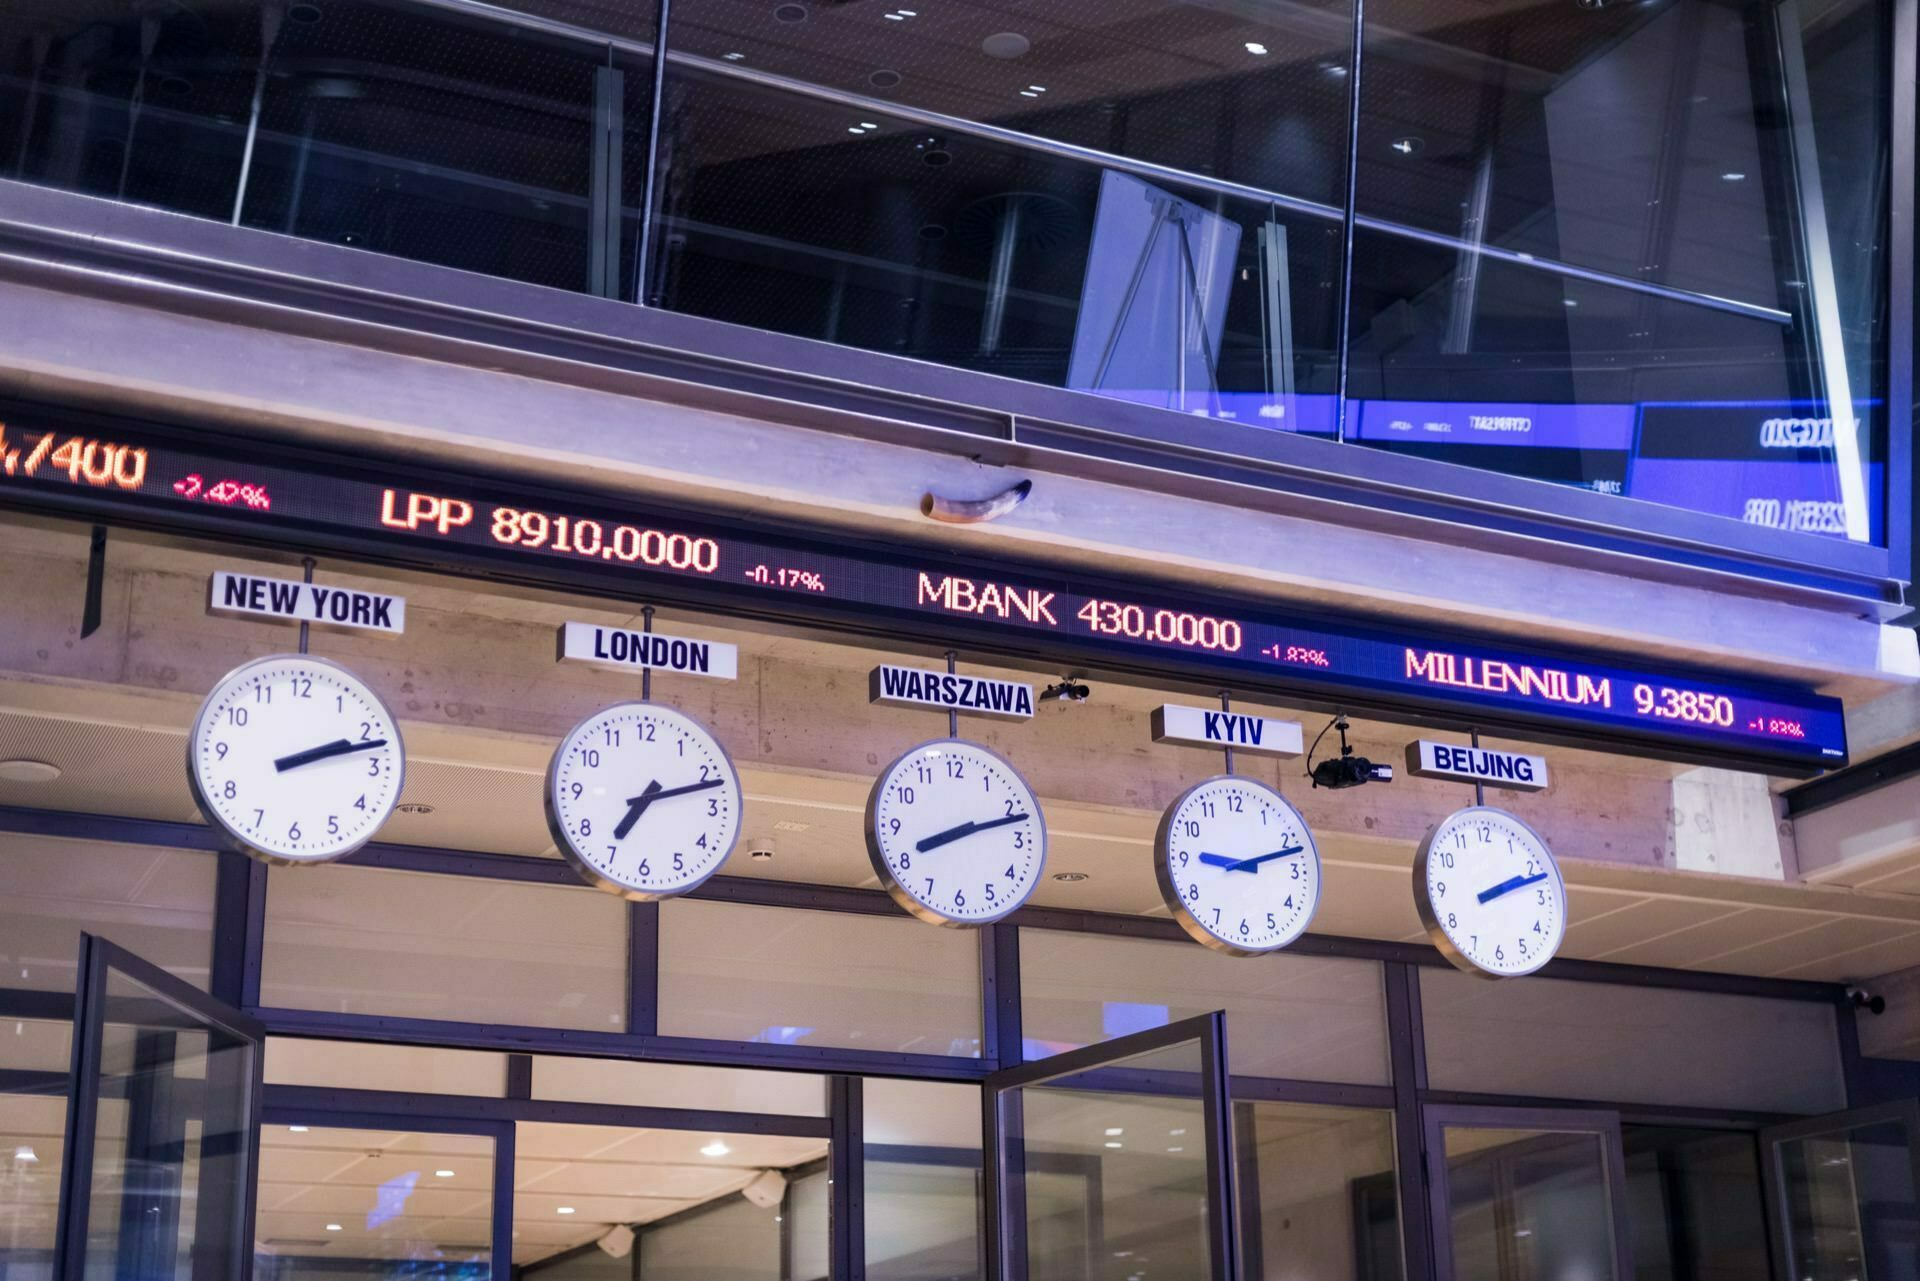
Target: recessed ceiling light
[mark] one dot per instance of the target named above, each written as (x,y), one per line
(1406,146)
(296,1129)
(565,1209)
(1006,45)
(1570,302)
(1255,48)
(855,129)
(868,124)
(1038,88)
(715,1148)
(791,13)
(1070,878)
(24,771)
(25,1155)
(1176,1149)
(1114,1145)
(334,1227)
(1334,68)
(1028,93)
(1733,175)
(414,807)
(734,57)
(443,1174)
(884,78)
(1176,1133)
(306,14)
(1115,1132)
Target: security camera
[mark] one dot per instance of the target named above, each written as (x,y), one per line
(761,848)
(1068,690)
(1865,1000)
(1346,769)
(767,1188)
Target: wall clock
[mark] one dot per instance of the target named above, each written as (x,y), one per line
(293,759)
(643,801)
(955,834)
(1237,866)
(1490,893)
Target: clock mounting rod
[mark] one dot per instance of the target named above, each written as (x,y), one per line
(306,566)
(1226,705)
(953,716)
(646,673)
(1479,788)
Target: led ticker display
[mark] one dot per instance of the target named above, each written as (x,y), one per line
(1707,717)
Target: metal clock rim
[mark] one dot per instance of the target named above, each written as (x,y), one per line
(903,897)
(563,841)
(1430,919)
(231,836)
(1170,896)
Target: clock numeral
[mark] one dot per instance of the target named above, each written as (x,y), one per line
(1243,925)
(1019,840)
(956,768)
(586,827)
(339,702)
(220,751)
(1499,953)
(1216,916)
(1235,802)
(576,790)
(1523,947)
(1439,889)
(989,888)
(893,827)
(263,693)
(231,790)
(713,809)
(590,758)
(702,842)
(1540,898)
(1192,828)
(905,794)
(1183,858)
(906,861)
(1452,921)
(929,887)
(1010,809)
(646,734)
(259,817)
(302,687)
(1271,923)
(680,861)
(613,736)
(1446,859)
(1206,809)
(361,804)
(705,775)
(1010,875)
(293,832)
(1295,869)
(1289,903)
(333,825)
(923,772)
(1538,930)
(959,898)
(236,716)
(1193,892)
(373,767)
(644,869)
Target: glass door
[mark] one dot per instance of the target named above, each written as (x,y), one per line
(162,1128)
(1527,1194)
(1842,1191)
(1114,1162)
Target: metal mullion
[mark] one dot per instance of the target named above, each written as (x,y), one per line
(1104,1053)
(649,187)
(1217,1115)
(83,1106)
(232,897)
(847,1177)
(1003,1184)
(1407,1054)
(504,1178)
(643,969)
(480,1110)
(1002,1044)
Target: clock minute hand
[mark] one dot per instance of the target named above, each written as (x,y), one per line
(636,806)
(1509,885)
(690,787)
(1248,864)
(326,751)
(967,828)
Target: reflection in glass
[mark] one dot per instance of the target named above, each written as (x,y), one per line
(170,1148)
(1317,1193)
(1695,1202)
(372,1203)
(1528,1205)
(1850,1204)
(790,214)
(922,1144)
(33,1116)
(1116,1181)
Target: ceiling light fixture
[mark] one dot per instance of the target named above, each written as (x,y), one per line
(1334,68)
(1006,45)
(1028,93)
(335,1227)
(1257,49)
(565,1209)
(296,1129)
(1733,175)
(1407,146)
(715,1148)
(734,57)
(25,771)
(443,1174)
(1114,1145)
(1071,878)
(1115,1132)
(1038,88)
(25,1155)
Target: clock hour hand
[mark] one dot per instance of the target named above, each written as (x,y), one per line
(325,752)
(968,828)
(636,806)
(1509,885)
(1248,864)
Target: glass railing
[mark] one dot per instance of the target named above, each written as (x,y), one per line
(1633,248)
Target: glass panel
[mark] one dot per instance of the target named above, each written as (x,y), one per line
(339,1202)
(923,1180)
(1116,1182)
(674,1085)
(407,130)
(1720,125)
(416,1069)
(989,256)
(693,1199)
(1850,1204)
(1593,1040)
(1528,1205)
(1307,1018)
(1318,1197)
(359,940)
(1695,1201)
(808,1250)
(1255,94)
(171,1140)
(32,1152)
(776,975)
(156,902)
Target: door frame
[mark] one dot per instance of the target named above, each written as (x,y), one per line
(1434,1119)
(1003,1192)
(1903,1111)
(98,959)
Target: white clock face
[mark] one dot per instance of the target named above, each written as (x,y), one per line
(643,801)
(1490,893)
(1237,866)
(295,760)
(955,834)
